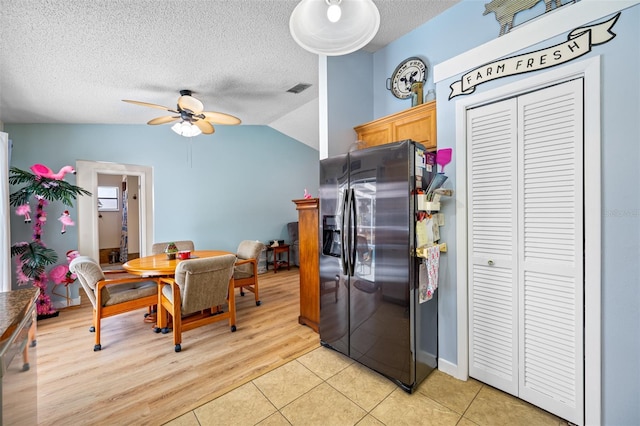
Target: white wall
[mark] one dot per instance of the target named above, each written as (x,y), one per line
(301,124)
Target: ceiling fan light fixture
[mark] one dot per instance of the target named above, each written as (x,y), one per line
(186,129)
(312,27)
(193,120)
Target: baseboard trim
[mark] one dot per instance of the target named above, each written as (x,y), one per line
(451,369)
(61,304)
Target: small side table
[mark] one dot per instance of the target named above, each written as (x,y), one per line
(278,262)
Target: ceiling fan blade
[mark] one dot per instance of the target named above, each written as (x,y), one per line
(146,104)
(220,118)
(190,103)
(205,126)
(164,120)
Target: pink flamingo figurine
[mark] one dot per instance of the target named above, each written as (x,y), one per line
(25,210)
(43,171)
(58,274)
(66,221)
(61,273)
(72,254)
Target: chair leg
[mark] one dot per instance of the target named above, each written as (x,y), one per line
(162,312)
(96,321)
(255,277)
(150,316)
(231,301)
(92,329)
(177,330)
(162,318)
(255,291)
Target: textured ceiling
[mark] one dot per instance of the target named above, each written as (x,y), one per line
(72,61)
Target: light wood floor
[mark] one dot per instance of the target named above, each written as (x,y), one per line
(137,378)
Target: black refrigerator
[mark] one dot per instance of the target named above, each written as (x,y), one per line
(369,308)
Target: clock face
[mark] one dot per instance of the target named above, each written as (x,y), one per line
(411,70)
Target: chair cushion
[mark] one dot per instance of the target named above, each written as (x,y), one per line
(87,270)
(89,273)
(130,291)
(241,271)
(203,283)
(247,250)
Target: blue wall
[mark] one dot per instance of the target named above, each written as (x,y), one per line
(463,27)
(350,98)
(215,190)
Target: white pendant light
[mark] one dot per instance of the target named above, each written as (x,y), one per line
(186,129)
(334,27)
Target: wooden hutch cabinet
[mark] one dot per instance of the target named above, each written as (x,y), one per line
(417,123)
(309,262)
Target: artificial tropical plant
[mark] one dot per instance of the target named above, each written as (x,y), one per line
(33,257)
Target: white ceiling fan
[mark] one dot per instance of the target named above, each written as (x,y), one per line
(190,114)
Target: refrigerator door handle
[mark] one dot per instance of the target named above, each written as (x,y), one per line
(343,234)
(349,234)
(354,230)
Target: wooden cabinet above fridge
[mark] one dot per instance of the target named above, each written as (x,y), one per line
(417,123)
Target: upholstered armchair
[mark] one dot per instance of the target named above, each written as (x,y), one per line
(194,296)
(111,296)
(245,273)
(294,242)
(158,248)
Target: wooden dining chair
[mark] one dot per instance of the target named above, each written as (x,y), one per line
(195,295)
(158,248)
(245,273)
(117,294)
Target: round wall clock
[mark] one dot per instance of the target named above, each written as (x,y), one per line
(410,71)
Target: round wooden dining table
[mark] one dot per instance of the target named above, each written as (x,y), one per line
(160,265)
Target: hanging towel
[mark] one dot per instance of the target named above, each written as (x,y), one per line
(428,274)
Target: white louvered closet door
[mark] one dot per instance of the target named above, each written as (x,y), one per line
(550,249)
(526,245)
(493,297)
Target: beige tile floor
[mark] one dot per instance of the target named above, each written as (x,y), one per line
(326,388)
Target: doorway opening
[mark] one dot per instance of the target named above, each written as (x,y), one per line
(89,174)
(118,219)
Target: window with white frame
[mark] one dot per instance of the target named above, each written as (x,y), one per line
(108,199)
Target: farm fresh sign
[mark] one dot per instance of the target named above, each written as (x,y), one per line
(578,44)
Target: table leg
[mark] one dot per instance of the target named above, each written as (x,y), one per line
(275,260)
